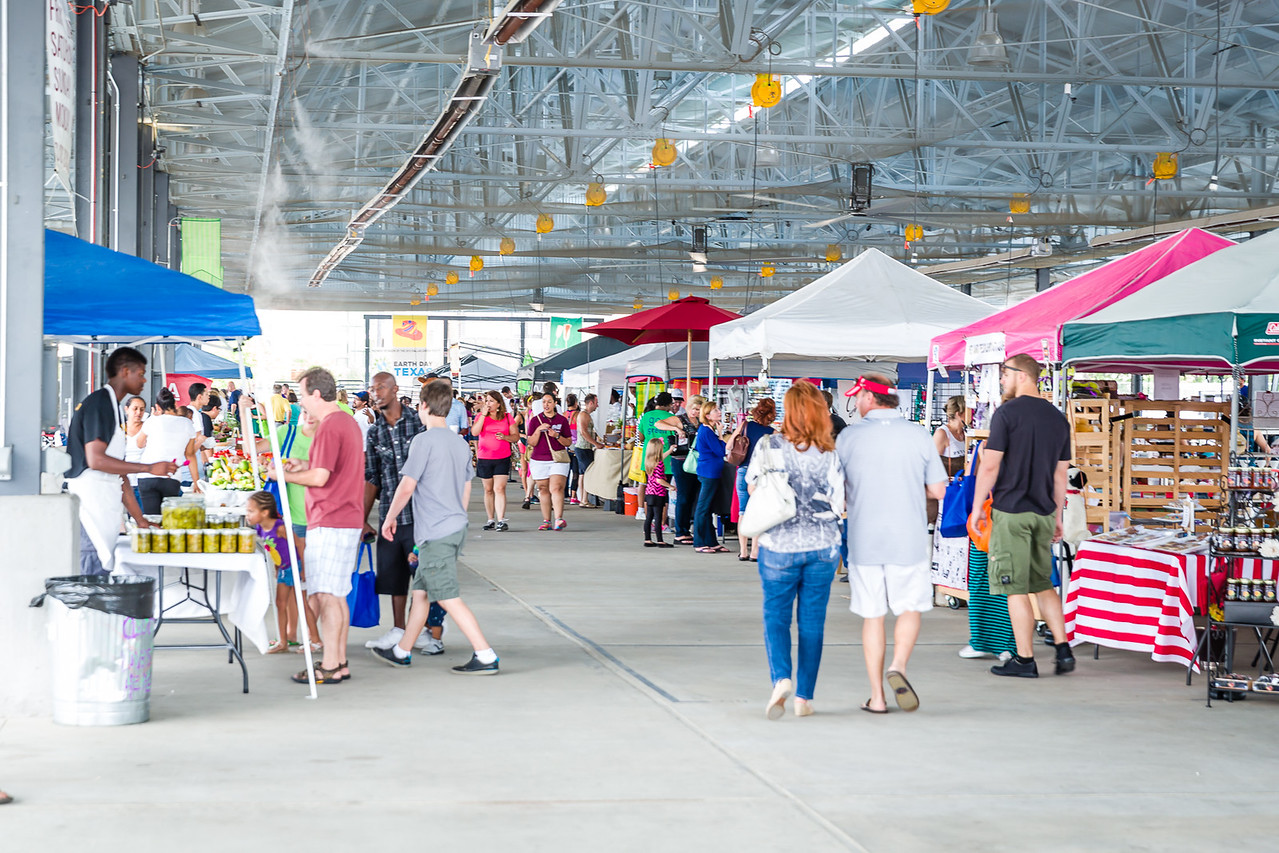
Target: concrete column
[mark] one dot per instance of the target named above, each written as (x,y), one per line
(160,214)
(22,118)
(146,194)
(1043,279)
(91,127)
(123,145)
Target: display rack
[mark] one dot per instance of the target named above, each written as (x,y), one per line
(1097,449)
(1247,518)
(1175,450)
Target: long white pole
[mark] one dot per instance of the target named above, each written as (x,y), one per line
(288,521)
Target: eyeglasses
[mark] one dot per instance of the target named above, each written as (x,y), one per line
(1004,368)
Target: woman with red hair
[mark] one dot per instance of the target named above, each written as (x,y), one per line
(798,558)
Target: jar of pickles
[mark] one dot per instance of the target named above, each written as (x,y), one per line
(182,513)
(159,540)
(230,542)
(212,541)
(195,541)
(140,539)
(177,541)
(248,539)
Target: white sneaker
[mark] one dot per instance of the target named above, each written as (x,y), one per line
(969,653)
(428,645)
(390,638)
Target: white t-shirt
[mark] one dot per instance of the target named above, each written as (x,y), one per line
(167,439)
(132,453)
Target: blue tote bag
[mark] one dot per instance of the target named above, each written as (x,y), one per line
(362,599)
(958,503)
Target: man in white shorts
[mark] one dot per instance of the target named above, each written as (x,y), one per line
(890,467)
(334,477)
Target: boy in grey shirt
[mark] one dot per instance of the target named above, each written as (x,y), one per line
(436,476)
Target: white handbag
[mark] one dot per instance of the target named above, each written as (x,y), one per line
(773,501)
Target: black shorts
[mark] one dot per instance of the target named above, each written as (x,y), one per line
(487,469)
(393,571)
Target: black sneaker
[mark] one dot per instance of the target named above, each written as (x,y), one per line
(1017,668)
(390,657)
(1065,660)
(474,667)
(492,525)
(502,526)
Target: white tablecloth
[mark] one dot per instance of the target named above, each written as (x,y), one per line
(246,593)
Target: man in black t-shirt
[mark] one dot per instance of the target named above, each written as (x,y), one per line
(1024,467)
(98,474)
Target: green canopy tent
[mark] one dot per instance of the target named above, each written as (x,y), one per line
(1219,315)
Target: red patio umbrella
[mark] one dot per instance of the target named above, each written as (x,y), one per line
(688,319)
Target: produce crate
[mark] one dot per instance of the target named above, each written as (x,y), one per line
(1098,451)
(1175,449)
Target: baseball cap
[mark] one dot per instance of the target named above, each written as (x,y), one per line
(677,394)
(361,395)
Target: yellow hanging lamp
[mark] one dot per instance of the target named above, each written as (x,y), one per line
(415,299)
(1019,203)
(1165,166)
(477,263)
(767,91)
(914,233)
(637,304)
(717,282)
(432,289)
(833,254)
(544,223)
(672,294)
(450,277)
(767,271)
(664,152)
(930,7)
(595,195)
(507,246)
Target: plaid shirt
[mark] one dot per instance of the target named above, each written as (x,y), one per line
(384,455)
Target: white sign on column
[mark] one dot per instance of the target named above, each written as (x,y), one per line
(60,63)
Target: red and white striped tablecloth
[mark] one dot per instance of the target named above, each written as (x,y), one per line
(1131,598)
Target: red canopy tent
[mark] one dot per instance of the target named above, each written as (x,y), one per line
(1034,326)
(688,319)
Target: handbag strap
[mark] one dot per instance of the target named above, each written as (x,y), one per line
(365,548)
(972,466)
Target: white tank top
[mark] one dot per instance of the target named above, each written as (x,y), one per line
(954,446)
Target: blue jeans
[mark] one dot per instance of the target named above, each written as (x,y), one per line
(687,489)
(742,494)
(799,582)
(703,522)
(585,457)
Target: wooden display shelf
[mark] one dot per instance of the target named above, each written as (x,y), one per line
(1174,450)
(1097,450)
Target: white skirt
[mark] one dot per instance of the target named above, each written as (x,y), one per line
(545,470)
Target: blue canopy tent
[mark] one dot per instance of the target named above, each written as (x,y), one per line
(95,295)
(188,359)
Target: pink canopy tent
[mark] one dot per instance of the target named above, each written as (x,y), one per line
(1034,326)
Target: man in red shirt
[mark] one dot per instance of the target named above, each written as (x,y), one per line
(334,477)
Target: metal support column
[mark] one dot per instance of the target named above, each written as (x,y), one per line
(1043,279)
(146,195)
(124,159)
(160,218)
(22,117)
(90,124)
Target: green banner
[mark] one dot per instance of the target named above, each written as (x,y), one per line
(565,332)
(202,249)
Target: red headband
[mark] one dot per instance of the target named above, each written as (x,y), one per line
(864,384)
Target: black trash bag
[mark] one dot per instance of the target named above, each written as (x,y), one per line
(131,597)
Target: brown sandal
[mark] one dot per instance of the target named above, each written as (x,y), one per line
(322,676)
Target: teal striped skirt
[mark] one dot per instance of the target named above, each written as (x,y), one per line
(988,625)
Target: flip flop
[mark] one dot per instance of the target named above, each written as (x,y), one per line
(905,695)
(868,709)
(277,647)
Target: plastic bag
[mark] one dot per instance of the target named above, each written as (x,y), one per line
(363,599)
(130,596)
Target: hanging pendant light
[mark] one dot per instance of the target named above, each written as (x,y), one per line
(767,91)
(1019,203)
(914,233)
(929,7)
(717,282)
(415,299)
(545,223)
(507,246)
(672,294)
(450,277)
(767,271)
(432,289)
(988,48)
(833,254)
(595,195)
(477,264)
(664,153)
(1165,166)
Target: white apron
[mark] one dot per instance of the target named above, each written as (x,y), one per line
(101,501)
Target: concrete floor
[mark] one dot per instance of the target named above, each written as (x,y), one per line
(629,716)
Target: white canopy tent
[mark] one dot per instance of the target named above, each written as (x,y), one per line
(871,309)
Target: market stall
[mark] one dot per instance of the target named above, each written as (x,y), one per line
(94,298)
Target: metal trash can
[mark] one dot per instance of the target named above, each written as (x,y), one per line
(102,631)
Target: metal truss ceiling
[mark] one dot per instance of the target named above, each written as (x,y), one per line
(284,117)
